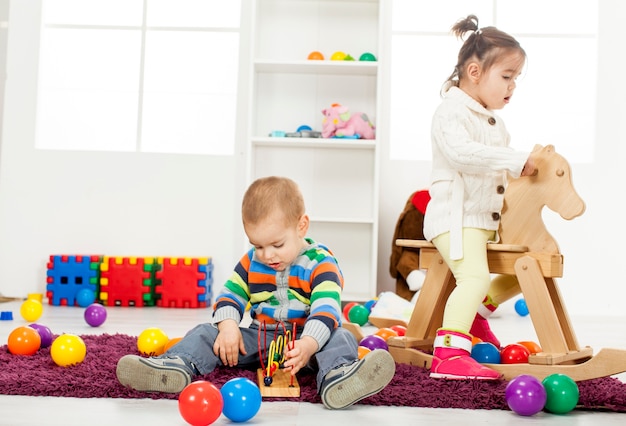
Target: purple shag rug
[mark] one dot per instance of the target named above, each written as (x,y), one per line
(38,375)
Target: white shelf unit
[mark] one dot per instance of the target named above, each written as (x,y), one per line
(339,177)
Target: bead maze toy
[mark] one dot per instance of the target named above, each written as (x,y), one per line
(184,282)
(528,252)
(275,381)
(67,274)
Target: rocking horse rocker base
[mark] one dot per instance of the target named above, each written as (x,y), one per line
(530,254)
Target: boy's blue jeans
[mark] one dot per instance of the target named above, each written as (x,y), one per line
(197,347)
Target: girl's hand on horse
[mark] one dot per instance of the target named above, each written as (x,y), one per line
(529,168)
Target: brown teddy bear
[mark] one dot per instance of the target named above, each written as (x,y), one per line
(404,261)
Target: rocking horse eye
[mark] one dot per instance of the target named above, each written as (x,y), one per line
(560,172)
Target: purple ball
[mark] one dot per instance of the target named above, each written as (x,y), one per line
(95,314)
(525,395)
(44,333)
(373,342)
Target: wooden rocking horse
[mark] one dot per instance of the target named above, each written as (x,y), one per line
(528,252)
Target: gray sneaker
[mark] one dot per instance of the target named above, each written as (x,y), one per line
(167,374)
(345,385)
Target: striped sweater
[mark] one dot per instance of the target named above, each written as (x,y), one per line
(307,293)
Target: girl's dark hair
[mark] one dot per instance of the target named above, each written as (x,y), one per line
(484,44)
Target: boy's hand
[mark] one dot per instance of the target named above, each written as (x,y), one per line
(298,356)
(229,343)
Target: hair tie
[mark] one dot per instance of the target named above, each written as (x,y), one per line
(478,31)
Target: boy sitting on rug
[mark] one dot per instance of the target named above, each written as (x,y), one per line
(287,278)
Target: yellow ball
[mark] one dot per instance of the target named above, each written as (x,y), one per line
(338,56)
(152,341)
(68,349)
(31,310)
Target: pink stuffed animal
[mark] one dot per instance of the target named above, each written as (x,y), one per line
(339,122)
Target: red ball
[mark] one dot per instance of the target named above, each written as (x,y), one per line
(514,354)
(400,329)
(347,308)
(200,403)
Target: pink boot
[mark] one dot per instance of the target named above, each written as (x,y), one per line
(480,327)
(452,360)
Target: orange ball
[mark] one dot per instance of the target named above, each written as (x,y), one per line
(316,56)
(171,343)
(532,347)
(363,351)
(24,341)
(476,340)
(386,333)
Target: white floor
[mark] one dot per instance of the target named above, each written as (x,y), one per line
(510,327)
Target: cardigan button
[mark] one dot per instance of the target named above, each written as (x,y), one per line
(491,121)
(495,216)
(500,189)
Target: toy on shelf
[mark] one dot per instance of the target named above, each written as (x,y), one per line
(341,56)
(315,56)
(340,122)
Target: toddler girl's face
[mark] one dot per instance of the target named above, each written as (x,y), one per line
(277,244)
(497,84)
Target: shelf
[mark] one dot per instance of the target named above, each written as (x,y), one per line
(337,143)
(318,67)
(343,220)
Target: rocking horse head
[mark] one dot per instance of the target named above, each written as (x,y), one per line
(525,197)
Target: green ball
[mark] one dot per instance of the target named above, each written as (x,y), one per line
(367,57)
(359,314)
(562,393)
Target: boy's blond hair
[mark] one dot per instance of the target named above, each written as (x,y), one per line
(269,194)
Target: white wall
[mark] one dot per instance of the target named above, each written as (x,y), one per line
(185,205)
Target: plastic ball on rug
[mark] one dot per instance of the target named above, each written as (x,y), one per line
(85,297)
(373,342)
(200,403)
(386,333)
(359,314)
(95,314)
(514,354)
(562,393)
(486,353)
(152,341)
(521,308)
(242,399)
(171,343)
(362,351)
(346,309)
(370,304)
(45,333)
(525,395)
(24,340)
(532,347)
(400,329)
(67,350)
(31,310)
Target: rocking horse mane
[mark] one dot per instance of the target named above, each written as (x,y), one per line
(521,222)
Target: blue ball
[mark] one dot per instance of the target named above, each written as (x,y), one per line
(242,399)
(486,353)
(85,297)
(521,308)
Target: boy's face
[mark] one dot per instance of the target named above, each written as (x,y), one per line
(277,244)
